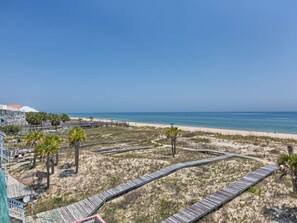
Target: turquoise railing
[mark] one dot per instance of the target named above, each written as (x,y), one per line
(4,209)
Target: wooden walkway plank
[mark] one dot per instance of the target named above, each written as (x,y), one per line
(16,189)
(212,202)
(115,150)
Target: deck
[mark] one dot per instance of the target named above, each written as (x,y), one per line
(214,201)
(16,189)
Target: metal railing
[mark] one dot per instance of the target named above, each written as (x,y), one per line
(16,209)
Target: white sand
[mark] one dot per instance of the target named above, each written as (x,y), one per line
(211,130)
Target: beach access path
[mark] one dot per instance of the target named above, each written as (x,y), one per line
(89,206)
(214,201)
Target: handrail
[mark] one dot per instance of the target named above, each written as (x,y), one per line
(95,217)
(17,206)
(16,209)
(16,202)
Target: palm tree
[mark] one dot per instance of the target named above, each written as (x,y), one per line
(43,117)
(91,118)
(65,118)
(55,120)
(32,139)
(288,164)
(76,136)
(172,133)
(80,120)
(59,140)
(47,148)
(290,149)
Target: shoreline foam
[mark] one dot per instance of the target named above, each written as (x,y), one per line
(209,130)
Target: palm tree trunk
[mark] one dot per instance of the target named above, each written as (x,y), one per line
(294,181)
(57,158)
(174,144)
(172,147)
(76,158)
(290,150)
(52,165)
(34,161)
(48,172)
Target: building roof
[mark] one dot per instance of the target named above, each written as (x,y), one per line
(28,109)
(15,106)
(8,108)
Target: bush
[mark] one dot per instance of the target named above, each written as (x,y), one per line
(11,129)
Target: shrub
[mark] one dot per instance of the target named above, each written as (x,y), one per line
(11,129)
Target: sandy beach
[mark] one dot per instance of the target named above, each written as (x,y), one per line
(210,130)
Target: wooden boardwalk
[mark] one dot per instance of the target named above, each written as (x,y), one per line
(115,150)
(214,201)
(89,206)
(98,143)
(16,189)
(215,152)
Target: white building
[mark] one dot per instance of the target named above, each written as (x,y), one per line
(11,114)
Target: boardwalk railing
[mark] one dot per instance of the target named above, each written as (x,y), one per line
(212,202)
(92,219)
(82,124)
(16,209)
(119,150)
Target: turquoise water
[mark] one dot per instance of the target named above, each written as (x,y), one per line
(284,122)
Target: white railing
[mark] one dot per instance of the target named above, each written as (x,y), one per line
(16,209)
(4,157)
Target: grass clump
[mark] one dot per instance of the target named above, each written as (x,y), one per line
(201,140)
(255,190)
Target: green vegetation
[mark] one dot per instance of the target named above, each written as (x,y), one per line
(172,133)
(256,140)
(75,137)
(11,129)
(55,120)
(47,148)
(201,140)
(64,118)
(167,208)
(288,165)
(32,139)
(255,190)
(34,118)
(38,118)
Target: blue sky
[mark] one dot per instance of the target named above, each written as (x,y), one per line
(114,56)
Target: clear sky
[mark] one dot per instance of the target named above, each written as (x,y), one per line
(154,55)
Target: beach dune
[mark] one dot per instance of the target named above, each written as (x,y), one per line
(210,130)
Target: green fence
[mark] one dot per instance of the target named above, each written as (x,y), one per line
(4,212)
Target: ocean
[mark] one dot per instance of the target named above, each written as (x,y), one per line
(282,122)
